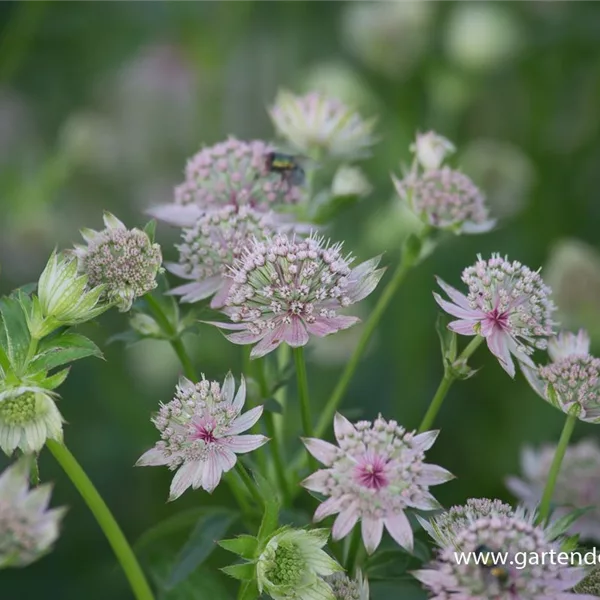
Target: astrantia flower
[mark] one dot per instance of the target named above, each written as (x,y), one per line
(447,578)
(577,486)
(316,124)
(345,588)
(292,565)
(200,430)
(211,246)
(571,382)
(124,261)
(446,199)
(27,528)
(431,149)
(376,473)
(28,417)
(285,290)
(508,304)
(444,527)
(232,172)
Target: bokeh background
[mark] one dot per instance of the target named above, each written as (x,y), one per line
(101,103)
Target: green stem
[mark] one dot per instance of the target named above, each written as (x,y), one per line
(249,483)
(406,263)
(563,443)
(104,517)
(237,489)
(303,394)
(445,385)
(174,339)
(353,552)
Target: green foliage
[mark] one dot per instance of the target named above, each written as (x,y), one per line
(14,334)
(61,349)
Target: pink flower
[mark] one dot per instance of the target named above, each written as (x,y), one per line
(376,473)
(200,430)
(232,172)
(286,289)
(447,577)
(508,304)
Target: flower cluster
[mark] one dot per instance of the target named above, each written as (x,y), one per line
(578,483)
(345,588)
(124,261)
(211,246)
(27,528)
(444,527)
(571,382)
(232,172)
(316,125)
(200,433)
(448,578)
(285,289)
(374,475)
(508,304)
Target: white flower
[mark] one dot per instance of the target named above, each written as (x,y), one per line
(431,149)
(200,430)
(27,528)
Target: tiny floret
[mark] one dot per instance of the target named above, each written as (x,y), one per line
(508,304)
(577,486)
(375,474)
(448,576)
(285,289)
(27,528)
(293,564)
(27,419)
(431,149)
(200,433)
(316,125)
(232,172)
(124,261)
(567,344)
(345,588)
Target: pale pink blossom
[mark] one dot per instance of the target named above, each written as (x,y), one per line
(200,433)
(508,304)
(286,289)
(375,474)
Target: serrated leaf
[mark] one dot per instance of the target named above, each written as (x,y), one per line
(200,545)
(248,591)
(56,380)
(243,571)
(561,525)
(243,545)
(14,333)
(63,349)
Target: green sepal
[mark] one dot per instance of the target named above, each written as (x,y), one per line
(243,572)
(248,590)
(150,229)
(56,380)
(448,340)
(245,546)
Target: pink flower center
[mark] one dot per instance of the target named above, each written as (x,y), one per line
(204,430)
(498,318)
(370,472)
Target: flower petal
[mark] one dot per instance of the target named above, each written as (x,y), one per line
(152,458)
(433,475)
(245,421)
(498,344)
(270,341)
(344,523)
(240,397)
(458,311)
(323,326)
(323,451)
(331,506)
(295,333)
(457,297)
(317,481)
(463,327)
(183,479)
(228,388)
(399,528)
(372,531)
(240,444)
(424,441)
(342,427)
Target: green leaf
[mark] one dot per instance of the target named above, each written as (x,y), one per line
(448,340)
(14,333)
(389,563)
(270,520)
(243,545)
(560,526)
(243,571)
(273,406)
(56,380)
(63,349)
(150,230)
(200,545)
(248,591)
(571,544)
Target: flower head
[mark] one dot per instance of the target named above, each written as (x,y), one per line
(27,528)
(431,149)
(285,289)
(124,261)
(28,417)
(444,527)
(200,430)
(577,486)
(232,172)
(345,588)
(316,124)
(376,473)
(508,304)
(293,564)
(447,577)
(571,382)
(446,199)
(211,246)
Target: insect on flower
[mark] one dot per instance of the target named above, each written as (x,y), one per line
(287,165)
(492,570)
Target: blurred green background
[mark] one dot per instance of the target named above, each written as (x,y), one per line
(100,105)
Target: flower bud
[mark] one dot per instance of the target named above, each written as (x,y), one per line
(350,181)
(431,149)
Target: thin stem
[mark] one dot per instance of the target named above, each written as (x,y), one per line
(237,489)
(303,394)
(406,263)
(249,483)
(105,519)
(563,442)
(353,552)
(174,340)
(445,384)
